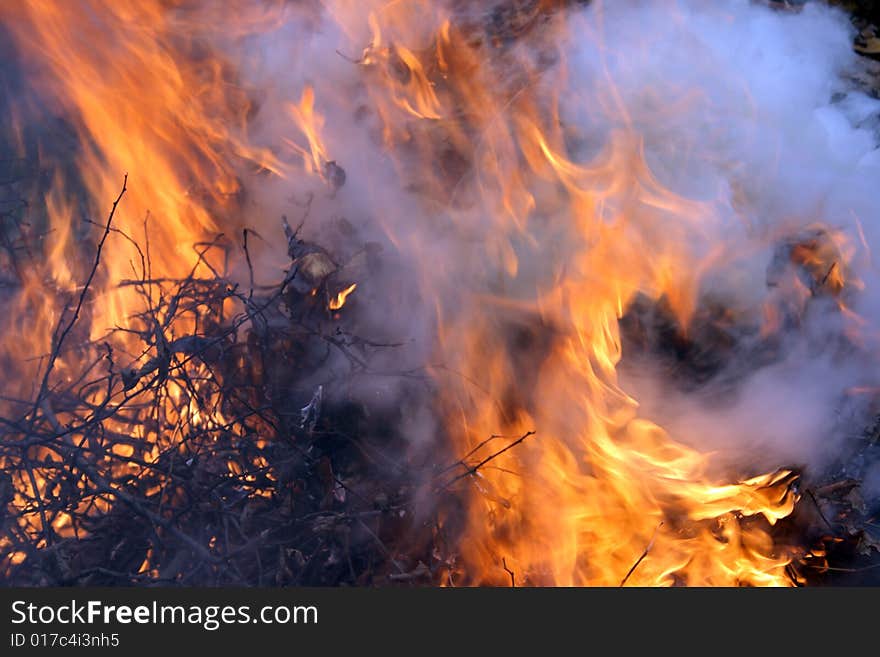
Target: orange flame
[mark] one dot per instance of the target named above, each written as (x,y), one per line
(141,95)
(339,300)
(311,124)
(598,495)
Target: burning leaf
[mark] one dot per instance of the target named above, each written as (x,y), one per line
(816,261)
(313,266)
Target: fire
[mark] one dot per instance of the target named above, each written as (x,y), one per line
(139,95)
(183,134)
(528,338)
(402,72)
(315,159)
(598,495)
(339,300)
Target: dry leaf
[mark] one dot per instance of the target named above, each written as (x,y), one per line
(871,46)
(316,266)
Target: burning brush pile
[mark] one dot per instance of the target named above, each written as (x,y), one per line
(531,292)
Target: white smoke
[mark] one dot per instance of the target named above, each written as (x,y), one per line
(767,123)
(740,106)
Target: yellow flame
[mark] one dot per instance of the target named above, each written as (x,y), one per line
(311,125)
(339,300)
(598,495)
(142,95)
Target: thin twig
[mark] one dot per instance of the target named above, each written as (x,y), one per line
(819,509)
(644,554)
(509,572)
(472,470)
